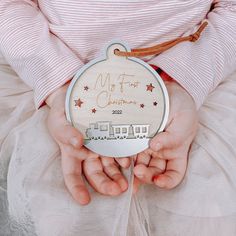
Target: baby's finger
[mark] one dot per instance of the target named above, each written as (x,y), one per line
(93,171)
(124,162)
(143,158)
(174,174)
(165,140)
(69,135)
(111,169)
(146,174)
(81,153)
(62,130)
(72,172)
(158,163)
(169,154)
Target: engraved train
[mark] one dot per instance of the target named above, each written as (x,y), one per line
(106,130)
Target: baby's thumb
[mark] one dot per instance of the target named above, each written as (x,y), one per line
(164,140)
(69,135)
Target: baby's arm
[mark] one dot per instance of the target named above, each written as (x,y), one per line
(38,56)
(198,68)
(46,63)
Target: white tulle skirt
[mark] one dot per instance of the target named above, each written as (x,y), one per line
(204,204)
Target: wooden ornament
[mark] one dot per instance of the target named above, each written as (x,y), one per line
(117,103)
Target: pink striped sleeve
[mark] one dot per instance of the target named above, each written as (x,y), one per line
(199,67)
(41,59)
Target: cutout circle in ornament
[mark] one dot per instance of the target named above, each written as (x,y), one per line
(117,103)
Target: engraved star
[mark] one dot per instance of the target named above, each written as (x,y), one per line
(155,104)
(150,87)
(94,110)
(86,88)
(78,102)
(141,105)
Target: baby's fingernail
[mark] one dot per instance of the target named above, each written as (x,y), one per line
(158,147)
(74,142)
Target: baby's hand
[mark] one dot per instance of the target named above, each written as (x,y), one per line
(165,163)
(102,173)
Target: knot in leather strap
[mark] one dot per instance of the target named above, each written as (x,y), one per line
(194,37)
(159,48)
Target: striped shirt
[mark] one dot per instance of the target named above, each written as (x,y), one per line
(47,41)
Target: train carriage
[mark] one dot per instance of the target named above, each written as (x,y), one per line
(140,131)
(121,131)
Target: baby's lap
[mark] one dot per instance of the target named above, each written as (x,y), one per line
(208,189)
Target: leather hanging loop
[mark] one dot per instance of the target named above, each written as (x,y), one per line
(158,49)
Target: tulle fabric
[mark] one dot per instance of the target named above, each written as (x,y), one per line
(204,204)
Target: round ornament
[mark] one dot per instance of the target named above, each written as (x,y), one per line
(117,103)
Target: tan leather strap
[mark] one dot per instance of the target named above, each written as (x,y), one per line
(157,49)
